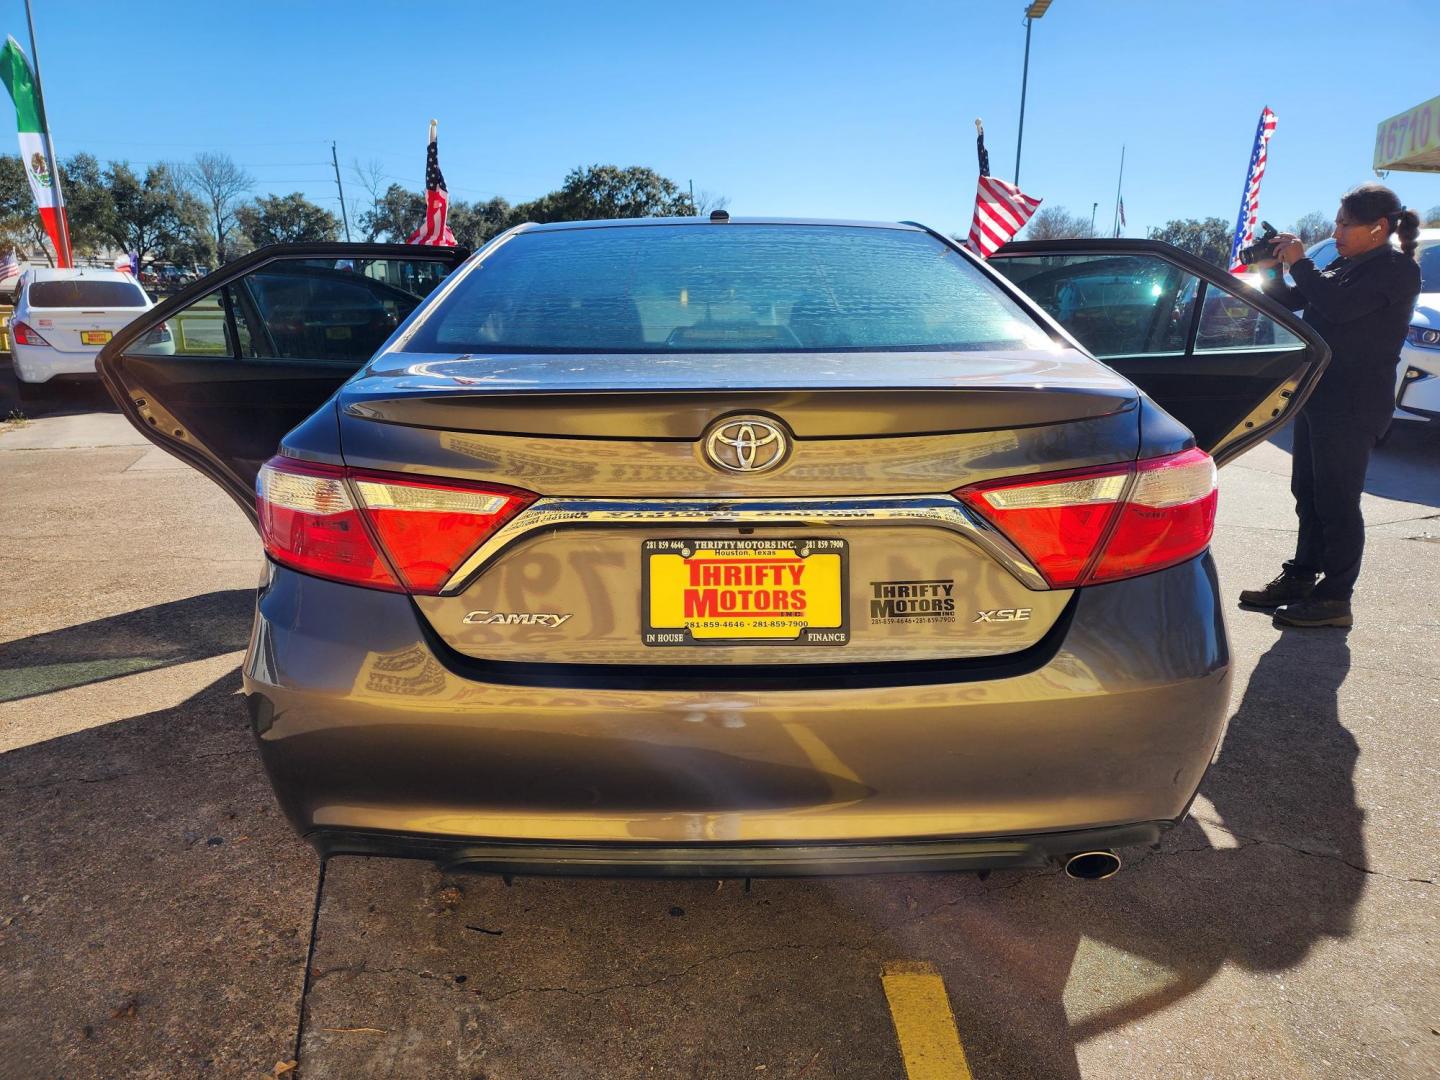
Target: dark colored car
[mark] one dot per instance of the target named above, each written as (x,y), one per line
(746,546)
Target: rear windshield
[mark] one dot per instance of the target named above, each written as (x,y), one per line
(86,294)
(724,288)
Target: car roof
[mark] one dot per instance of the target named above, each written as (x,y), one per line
(698,222)
(73,273)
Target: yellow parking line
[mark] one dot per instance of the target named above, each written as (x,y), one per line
(924,1024)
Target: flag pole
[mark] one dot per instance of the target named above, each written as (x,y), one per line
(62,225)
(1115,229)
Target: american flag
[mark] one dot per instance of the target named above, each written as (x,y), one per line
(435,231)
(1250,201)
(9,266)
(1001,209)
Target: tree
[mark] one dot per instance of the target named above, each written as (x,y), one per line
(1208,238)
(475,223)
(608,191)
(286,219)
(1312,227)
(220,184)
(19,220)
(153,216)
(374,182)
(89,209)
(1057,223)
(394,216)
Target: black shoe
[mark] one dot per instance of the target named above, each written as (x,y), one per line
(1288,588)
(1315,612)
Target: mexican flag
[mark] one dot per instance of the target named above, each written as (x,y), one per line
(34,143)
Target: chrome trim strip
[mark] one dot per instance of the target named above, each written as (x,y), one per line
(937,511)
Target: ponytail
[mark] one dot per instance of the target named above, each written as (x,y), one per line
(1406,225)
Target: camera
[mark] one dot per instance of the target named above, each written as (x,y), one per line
(1260,249)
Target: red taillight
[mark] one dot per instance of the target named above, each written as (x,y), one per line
(428,527)
(326,520)
(1105,524)
(25,334)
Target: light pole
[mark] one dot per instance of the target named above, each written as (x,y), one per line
(1036,9)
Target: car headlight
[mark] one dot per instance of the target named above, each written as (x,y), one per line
(1423,337)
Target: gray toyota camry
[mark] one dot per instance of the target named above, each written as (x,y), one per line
(726,546)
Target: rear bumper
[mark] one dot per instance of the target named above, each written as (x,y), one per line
(739,860)
(376,742)
(38,363)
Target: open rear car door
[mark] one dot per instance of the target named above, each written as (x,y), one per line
(1225,360)
(220,372)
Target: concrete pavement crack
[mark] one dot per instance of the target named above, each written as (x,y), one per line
(599,991)
(1252,840)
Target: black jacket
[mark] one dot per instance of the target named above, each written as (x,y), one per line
(1362,308)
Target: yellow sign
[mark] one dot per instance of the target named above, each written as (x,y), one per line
(745,590)
(1410,142)
(94,337)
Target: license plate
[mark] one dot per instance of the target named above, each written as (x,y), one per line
(745,592)
(95,337)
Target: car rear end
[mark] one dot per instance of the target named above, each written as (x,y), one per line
(64,317)
(761,548)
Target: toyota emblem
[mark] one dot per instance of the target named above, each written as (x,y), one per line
(746,444)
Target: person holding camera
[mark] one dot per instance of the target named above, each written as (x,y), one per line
(1361,305)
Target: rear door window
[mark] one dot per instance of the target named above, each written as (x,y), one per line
(334,310)
(86,294)
(1139,305)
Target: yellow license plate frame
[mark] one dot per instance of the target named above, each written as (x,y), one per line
(96,337)
(745,591)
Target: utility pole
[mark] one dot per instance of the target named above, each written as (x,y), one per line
(335,160)
(692,195)
(1036,9)
(61,224)
(1093,207)
(1115,229)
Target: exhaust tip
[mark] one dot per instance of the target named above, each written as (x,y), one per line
(1092,865)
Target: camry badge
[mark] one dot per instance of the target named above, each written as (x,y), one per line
(746,444)
(518,618)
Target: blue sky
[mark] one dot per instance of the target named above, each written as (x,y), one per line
(834,109)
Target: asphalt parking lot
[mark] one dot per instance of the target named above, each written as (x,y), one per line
(159,918)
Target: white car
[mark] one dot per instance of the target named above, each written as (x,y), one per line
(1417,383)
(64,317)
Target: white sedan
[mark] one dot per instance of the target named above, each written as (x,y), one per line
(1417,386)
(64,317)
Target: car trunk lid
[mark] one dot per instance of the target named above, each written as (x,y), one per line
(636,532)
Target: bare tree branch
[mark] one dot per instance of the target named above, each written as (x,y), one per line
(222,184)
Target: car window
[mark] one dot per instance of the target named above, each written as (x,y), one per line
(80,293)
(1228,322)
(1139,305)
(724,288)
(311,309)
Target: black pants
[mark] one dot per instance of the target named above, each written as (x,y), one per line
(1327,475)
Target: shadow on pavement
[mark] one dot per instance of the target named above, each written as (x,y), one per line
(174,633)
(61,397)
(154,905)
